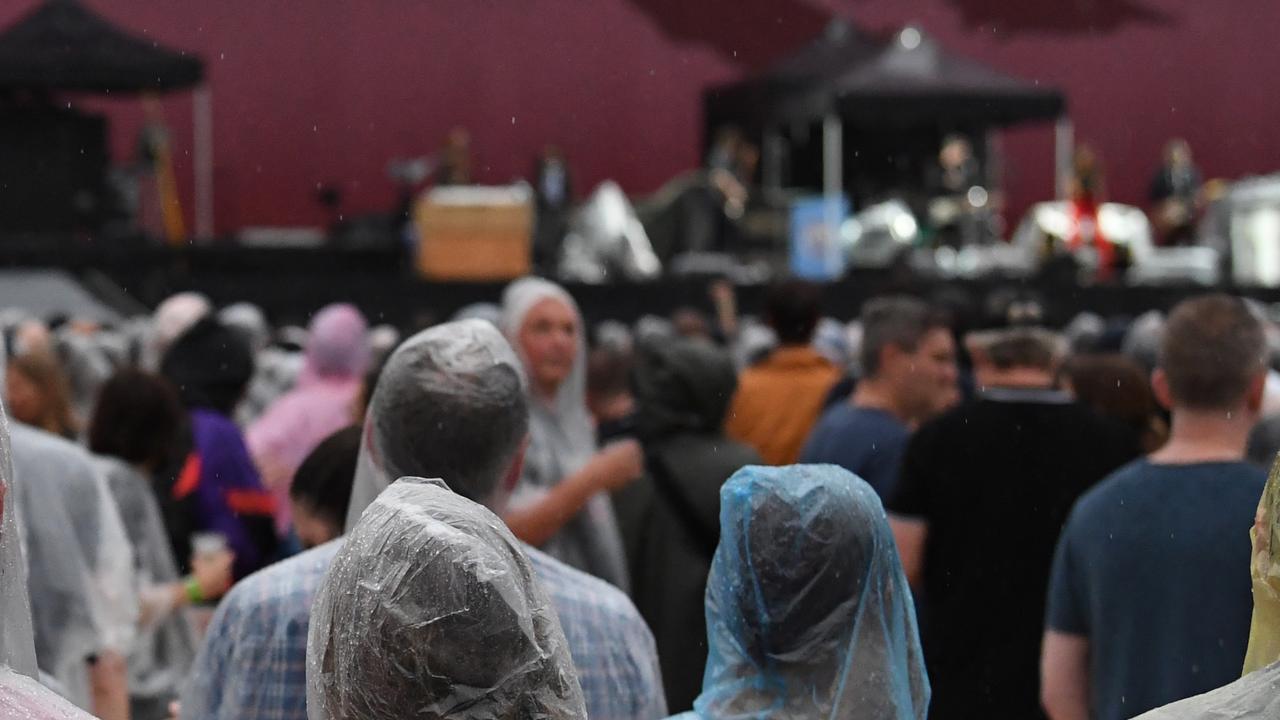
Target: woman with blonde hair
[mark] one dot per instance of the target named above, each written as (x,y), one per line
(39,393)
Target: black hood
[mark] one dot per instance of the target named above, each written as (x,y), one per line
(211,365)
(681,386)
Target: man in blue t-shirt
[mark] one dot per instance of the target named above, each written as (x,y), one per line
(909,373)
(1149,598)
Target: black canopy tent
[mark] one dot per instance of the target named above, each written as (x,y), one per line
(63,46)
(756,102)
(904,86)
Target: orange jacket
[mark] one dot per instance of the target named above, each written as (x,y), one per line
(779,401)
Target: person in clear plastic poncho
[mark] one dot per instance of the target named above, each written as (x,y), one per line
(1256,696)
(82,588)
(561,504)
(451,404)
(467,362)
(431,610)
(808,610)
(21,696)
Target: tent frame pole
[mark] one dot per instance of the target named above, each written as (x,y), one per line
(832,184)
(1063,147)
(832,157)
(772,171)
(202,167)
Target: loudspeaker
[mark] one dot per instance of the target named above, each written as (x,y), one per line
(53,165)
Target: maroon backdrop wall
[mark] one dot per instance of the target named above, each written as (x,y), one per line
(327,91)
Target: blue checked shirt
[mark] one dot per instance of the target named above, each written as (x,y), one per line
(252,665)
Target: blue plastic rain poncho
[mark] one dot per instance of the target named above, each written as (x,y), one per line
(808,610)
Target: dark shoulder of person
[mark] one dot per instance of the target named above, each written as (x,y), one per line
(1114,442)
(926,455)
(983,428)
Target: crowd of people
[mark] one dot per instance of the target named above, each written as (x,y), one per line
(943,509)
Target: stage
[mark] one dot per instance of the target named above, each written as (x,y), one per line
(290,284)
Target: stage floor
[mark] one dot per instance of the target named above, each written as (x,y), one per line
(290,284)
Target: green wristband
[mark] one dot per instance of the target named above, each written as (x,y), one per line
(193,591)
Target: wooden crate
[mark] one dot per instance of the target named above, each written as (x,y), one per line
(474,233)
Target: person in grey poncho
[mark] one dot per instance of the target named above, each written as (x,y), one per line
(83,593)
(21,695)
(431,610)
(136,424)
(561,503)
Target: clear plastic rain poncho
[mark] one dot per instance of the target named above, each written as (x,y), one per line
(165,646)
(423,391)
(431,610)
(808,610)
(82,586)
(1264,633)
(561,441)
(21,696)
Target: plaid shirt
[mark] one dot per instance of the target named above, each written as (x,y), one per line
(252,665)
(611,645)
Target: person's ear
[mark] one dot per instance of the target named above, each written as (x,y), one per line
(1257,392)
(498,501)
(516,468)
(890,356)
(1160,387)
(978,356)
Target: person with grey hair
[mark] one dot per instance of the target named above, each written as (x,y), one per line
(976,511)
(1142,342)
(450,404)
(275,369)
(1149,601)
(908,358)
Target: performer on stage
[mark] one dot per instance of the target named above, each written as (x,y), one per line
(455,159)
(959,204)
(553,195)
(1175,195)
(1087,187)
(957,169)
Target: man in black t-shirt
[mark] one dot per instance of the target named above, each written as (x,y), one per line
(983,494)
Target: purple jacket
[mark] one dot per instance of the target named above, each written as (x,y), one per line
(228,494)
